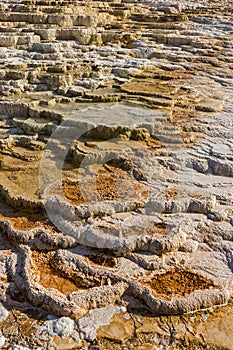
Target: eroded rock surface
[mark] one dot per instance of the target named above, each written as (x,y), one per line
(116,216)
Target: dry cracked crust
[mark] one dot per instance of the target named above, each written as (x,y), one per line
(116,170)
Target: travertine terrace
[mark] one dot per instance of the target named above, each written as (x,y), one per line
(116,167)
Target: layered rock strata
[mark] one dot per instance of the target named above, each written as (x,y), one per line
(116,171)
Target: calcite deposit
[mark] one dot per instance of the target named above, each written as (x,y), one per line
(116,168)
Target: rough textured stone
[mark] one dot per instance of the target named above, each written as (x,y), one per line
(116,174)
(3,313)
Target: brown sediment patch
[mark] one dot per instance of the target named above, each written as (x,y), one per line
(188,137)
(159,228)
(48,277)
(149,87)
(172,193)
(161,74)
(72,191)
(111,183)
(153,143)
(185,119)
(21,223)
(102,260)
(115,184)
(181,116)
(177,283)
(66,278)
(108,184)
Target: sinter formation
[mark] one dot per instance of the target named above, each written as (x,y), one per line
(116,217)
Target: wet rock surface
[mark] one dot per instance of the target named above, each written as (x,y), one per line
(116,216)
